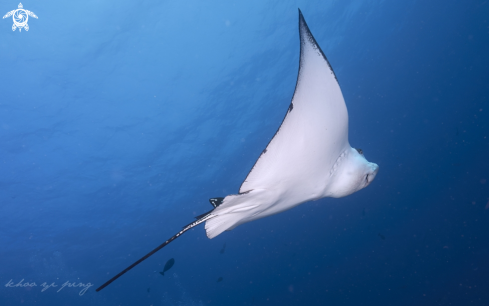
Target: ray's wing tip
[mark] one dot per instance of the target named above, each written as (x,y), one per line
(301,17)
(303,27)
(307,38)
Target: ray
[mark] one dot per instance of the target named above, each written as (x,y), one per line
(308,158)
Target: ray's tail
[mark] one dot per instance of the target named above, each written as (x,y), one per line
(201,218)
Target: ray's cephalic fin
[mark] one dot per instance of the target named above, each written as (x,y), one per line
(204,218)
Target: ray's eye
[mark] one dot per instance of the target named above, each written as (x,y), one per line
(359,151)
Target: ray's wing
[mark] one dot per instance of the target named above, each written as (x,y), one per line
(31,14)
(9,14)
(314,131)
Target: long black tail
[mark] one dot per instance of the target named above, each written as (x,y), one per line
(204,218)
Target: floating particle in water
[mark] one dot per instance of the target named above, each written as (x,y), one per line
(291,289)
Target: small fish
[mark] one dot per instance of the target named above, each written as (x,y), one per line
(168,266)
(149,289)
(223,249)
(381,236)
(363,212)
(219,279)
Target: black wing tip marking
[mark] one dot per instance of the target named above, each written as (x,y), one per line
(305,34)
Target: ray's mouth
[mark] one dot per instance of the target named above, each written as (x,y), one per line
(371,176)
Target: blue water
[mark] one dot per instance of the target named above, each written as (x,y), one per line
(120,119)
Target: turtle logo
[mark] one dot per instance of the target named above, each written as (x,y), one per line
(20,17)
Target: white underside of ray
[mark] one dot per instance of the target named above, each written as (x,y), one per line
(295,167)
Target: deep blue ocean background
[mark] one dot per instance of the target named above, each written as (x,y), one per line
(120,119)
